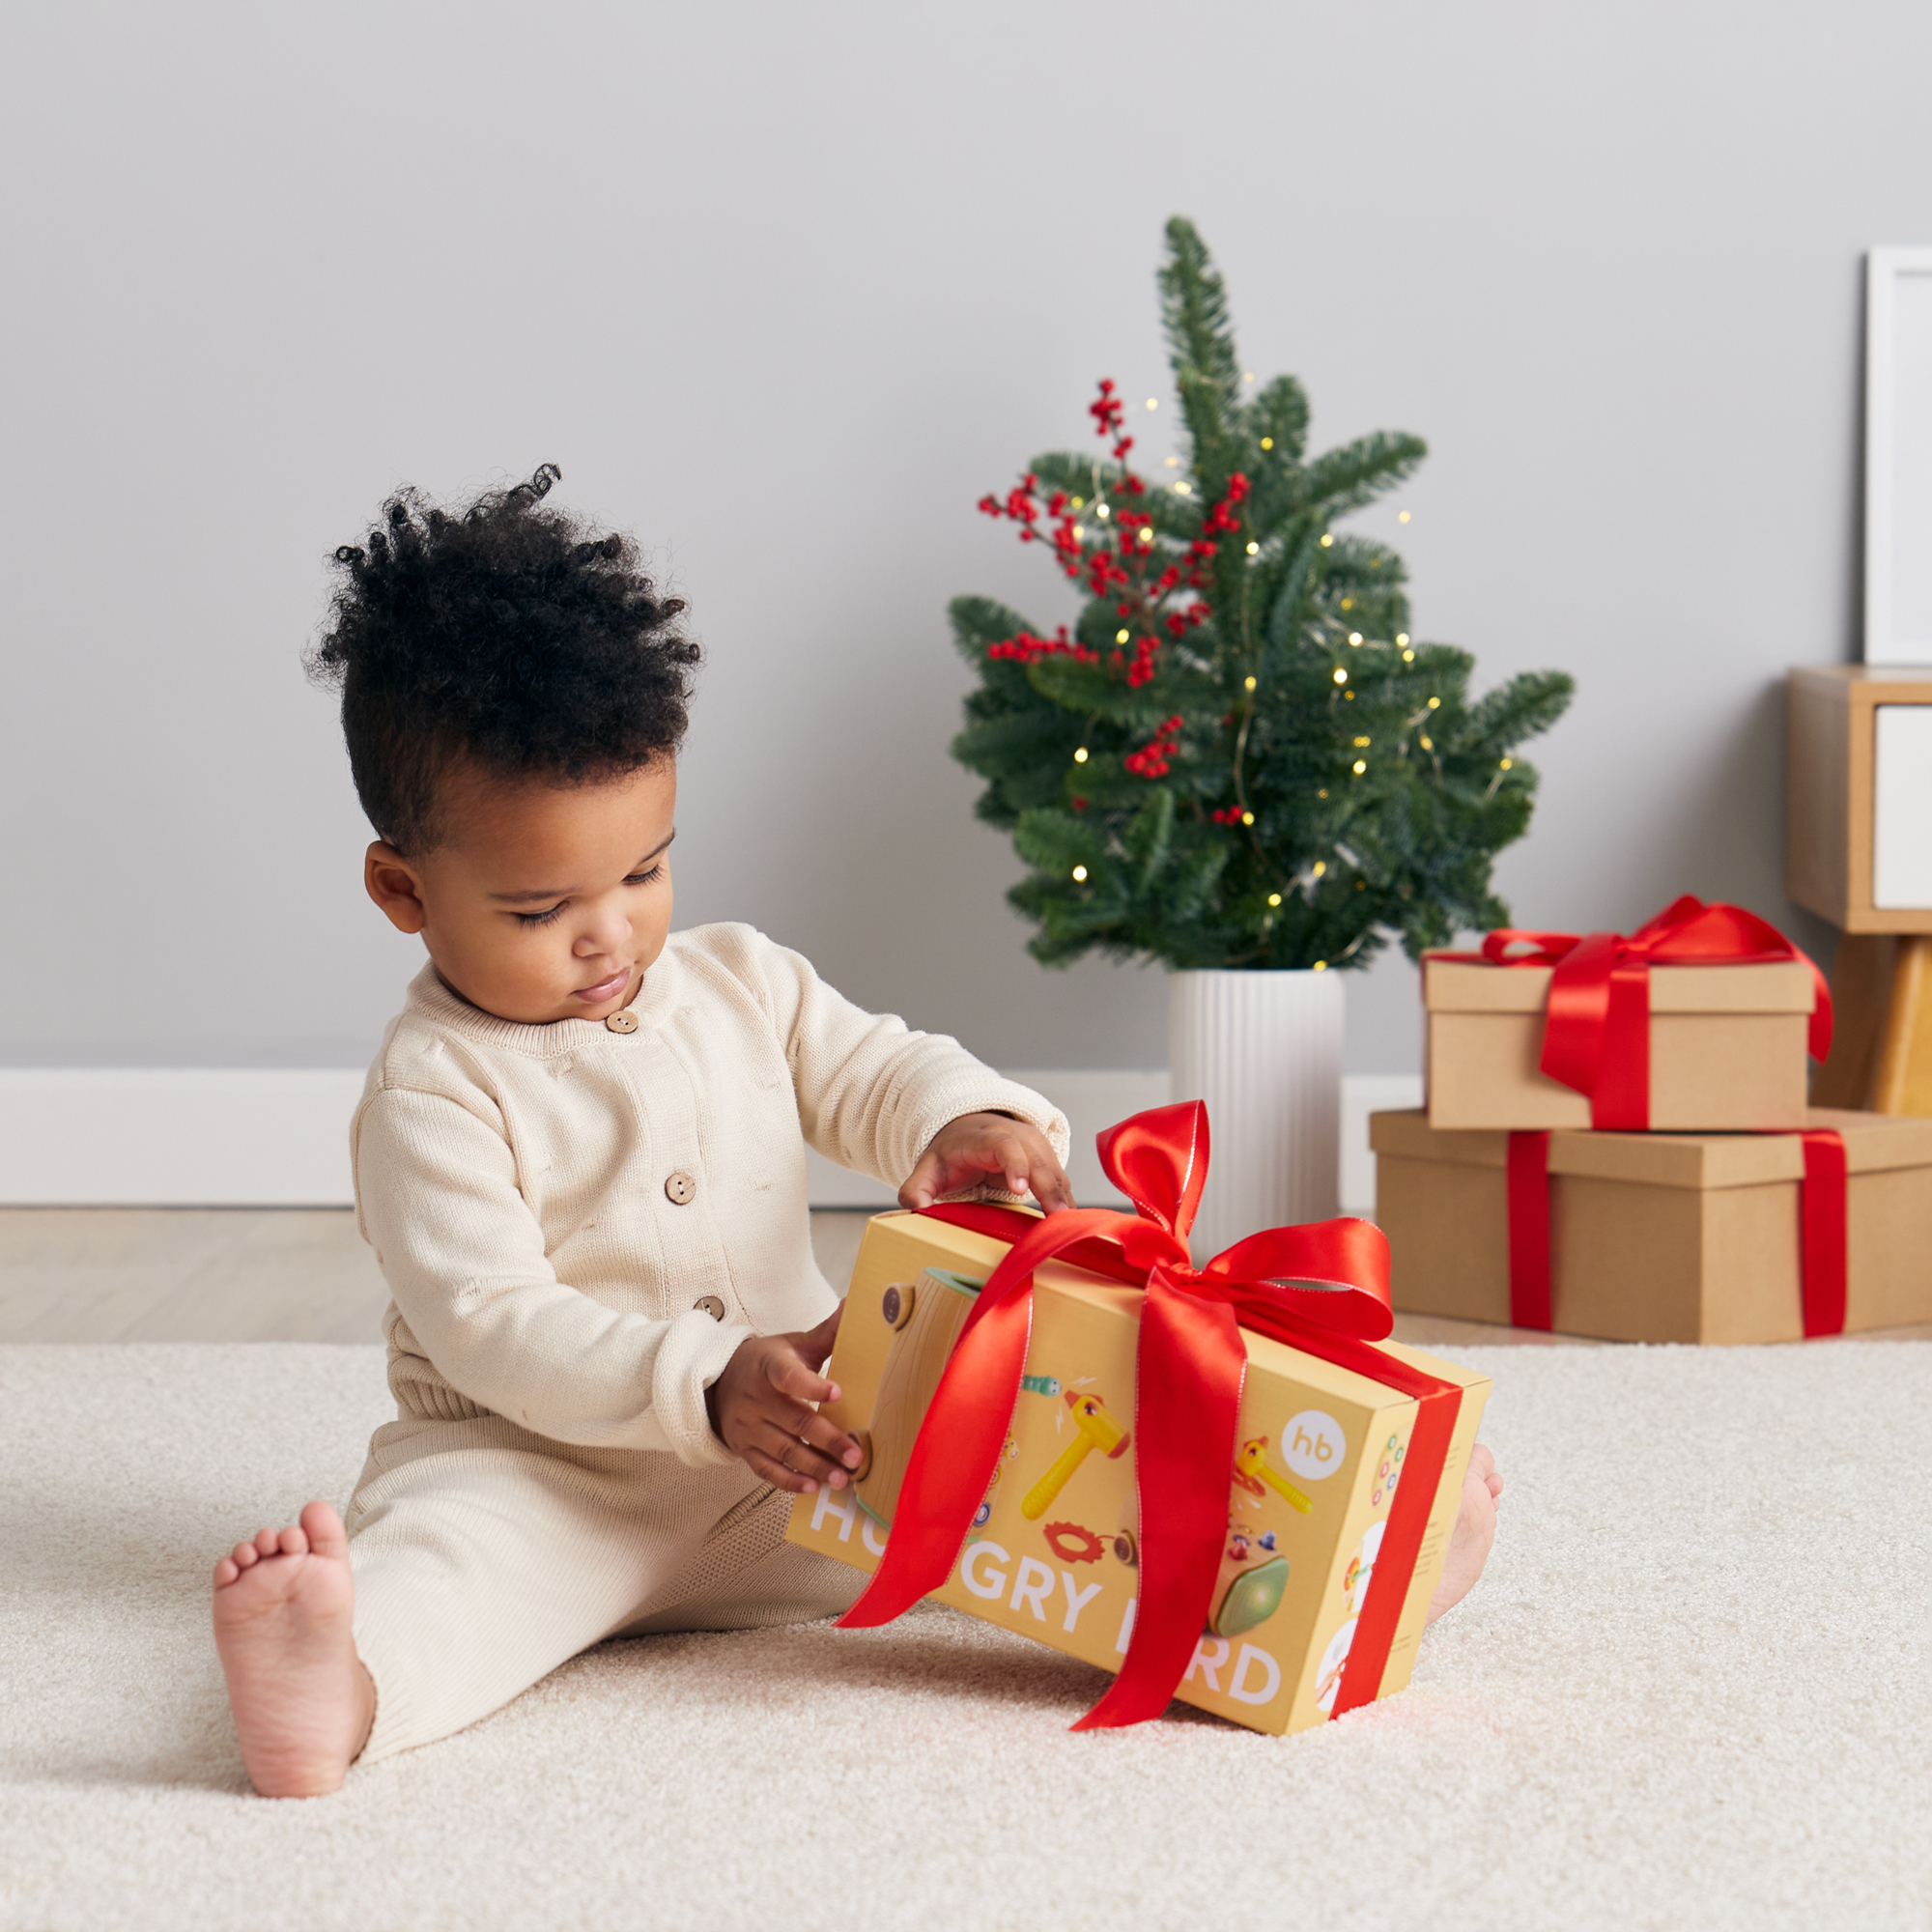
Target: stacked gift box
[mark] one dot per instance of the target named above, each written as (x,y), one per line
(1616,1142)
(1224,1483)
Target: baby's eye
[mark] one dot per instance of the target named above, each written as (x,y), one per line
(645,878)
(541,918)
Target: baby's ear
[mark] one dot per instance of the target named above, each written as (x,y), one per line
(393,882)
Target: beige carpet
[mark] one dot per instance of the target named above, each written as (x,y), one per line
(1692,1691)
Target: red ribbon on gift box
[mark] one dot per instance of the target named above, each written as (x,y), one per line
(1821,1231)
(1597,1034)
(1323,1289)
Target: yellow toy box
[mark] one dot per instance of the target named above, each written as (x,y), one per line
(1054,1547)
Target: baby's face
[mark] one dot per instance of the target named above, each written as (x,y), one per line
(545,903)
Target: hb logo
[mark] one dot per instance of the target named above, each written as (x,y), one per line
(1312,1445)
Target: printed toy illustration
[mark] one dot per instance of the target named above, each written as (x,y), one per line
(1248,1590)
(1009,1449)
(1390,1467)
(1254,1472)
(925,1318)
(1328,1677)
(1095,1429)
(1248,1587)
(1361,1567)
(1071,1542)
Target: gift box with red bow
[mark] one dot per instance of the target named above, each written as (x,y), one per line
(1699,1021)
(1663,1238)
(1224,1485)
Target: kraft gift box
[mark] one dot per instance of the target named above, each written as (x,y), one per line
(1658,1236)
(1727,1047)
(1053,1551)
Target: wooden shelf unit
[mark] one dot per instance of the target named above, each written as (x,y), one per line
(1827,841)
(1881,979)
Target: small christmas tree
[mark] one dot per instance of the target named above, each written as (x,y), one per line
(1238,757)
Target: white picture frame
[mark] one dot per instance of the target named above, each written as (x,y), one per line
(1898,456)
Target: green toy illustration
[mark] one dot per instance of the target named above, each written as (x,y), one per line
(1250,1585)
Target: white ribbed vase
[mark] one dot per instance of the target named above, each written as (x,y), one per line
(1264,1051)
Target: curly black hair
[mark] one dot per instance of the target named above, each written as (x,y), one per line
(505,636)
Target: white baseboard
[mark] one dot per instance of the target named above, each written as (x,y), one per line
(279,1137)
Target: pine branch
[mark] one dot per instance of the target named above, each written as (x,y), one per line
(1280,413)
(979,621)
(1078,476)
(1346,479)
(1016,742)
(1525,707)
(1201,339)
(1149,838)
(1054,842)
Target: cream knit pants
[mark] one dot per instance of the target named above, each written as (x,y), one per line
(485,1556)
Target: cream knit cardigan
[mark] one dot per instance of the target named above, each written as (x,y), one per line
(512,1180)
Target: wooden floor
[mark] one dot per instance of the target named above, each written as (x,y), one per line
(192,1275)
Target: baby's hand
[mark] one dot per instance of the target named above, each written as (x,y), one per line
(976,1145)
(761,1411)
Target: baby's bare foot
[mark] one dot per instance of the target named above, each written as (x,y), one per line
(300,1697)
(1474,1532)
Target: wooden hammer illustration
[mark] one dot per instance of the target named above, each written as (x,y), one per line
(1251,1462)
(1094,1429)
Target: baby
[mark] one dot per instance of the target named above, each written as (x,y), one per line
(579,1158)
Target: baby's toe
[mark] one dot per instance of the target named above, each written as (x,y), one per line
(292,1542)
(268,1542)
(243,1555)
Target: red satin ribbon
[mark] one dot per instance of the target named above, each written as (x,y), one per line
(1821,1232)
(1323,1289)
(1528,1231)
(1596,1036)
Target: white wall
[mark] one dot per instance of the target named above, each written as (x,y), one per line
(784,288)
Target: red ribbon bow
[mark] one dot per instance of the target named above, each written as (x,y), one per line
(1323,1289)
(1596,1036)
